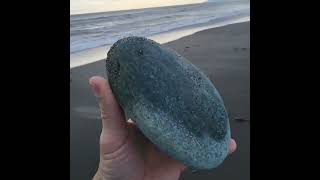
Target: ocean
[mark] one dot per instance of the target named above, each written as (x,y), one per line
(92,34)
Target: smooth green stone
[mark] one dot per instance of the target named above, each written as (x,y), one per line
(172,102)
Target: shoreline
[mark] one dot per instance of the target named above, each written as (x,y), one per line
(92,55)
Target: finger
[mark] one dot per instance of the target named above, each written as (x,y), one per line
(113,121)
(232,146)
(111,113)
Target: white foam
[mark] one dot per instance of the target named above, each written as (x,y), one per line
(174,35)
(99,53)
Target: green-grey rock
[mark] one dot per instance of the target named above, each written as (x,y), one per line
(172,102)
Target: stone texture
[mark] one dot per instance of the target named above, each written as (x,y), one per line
(173,103)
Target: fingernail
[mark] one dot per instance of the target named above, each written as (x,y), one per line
(95,89)
(194,171)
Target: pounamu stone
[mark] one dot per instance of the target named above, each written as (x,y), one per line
(172,102)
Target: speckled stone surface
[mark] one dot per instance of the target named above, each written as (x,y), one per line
(173,103)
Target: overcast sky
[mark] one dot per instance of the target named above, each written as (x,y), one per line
(88,6)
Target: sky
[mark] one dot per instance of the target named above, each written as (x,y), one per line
(90,6)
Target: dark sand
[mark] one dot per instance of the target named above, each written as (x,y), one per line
(222,53)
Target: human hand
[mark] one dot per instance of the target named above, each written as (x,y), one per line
(125,153)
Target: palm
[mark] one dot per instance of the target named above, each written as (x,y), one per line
(137,159)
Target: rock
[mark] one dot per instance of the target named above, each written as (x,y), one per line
(172,102)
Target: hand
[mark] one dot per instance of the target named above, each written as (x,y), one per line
(124,152)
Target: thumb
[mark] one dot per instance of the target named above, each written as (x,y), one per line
(114,127)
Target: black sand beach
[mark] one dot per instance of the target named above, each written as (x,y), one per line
(222,53)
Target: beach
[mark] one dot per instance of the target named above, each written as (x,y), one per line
(222,53)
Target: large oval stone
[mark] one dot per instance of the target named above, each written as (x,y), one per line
(172,102)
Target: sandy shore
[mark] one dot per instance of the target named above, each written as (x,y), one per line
(222,53)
